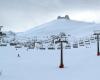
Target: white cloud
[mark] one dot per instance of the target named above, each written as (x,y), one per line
(20,15)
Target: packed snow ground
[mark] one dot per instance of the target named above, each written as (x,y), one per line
(80,64)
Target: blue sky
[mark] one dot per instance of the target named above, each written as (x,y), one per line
(21,15)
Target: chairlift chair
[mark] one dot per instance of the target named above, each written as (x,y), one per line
(68,46)
(42,47)
(92,39)
(3,44)
(13,43)
(18,46)
(0,33)
(51,47)
(31,47)
(81,43)
(87,42)
(75,45)
(59,46)
(26,44)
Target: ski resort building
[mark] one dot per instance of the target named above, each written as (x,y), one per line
(65,17)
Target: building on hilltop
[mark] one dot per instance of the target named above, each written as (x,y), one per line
(65,17)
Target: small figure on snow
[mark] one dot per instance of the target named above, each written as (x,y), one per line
(0,73)
(18,55)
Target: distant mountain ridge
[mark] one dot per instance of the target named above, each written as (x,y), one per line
(75,28)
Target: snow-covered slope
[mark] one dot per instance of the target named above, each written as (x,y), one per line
(80,64)
(62,25)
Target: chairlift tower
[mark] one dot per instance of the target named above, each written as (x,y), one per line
(0,28)
(97,33)
(0,33)
(61,56)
